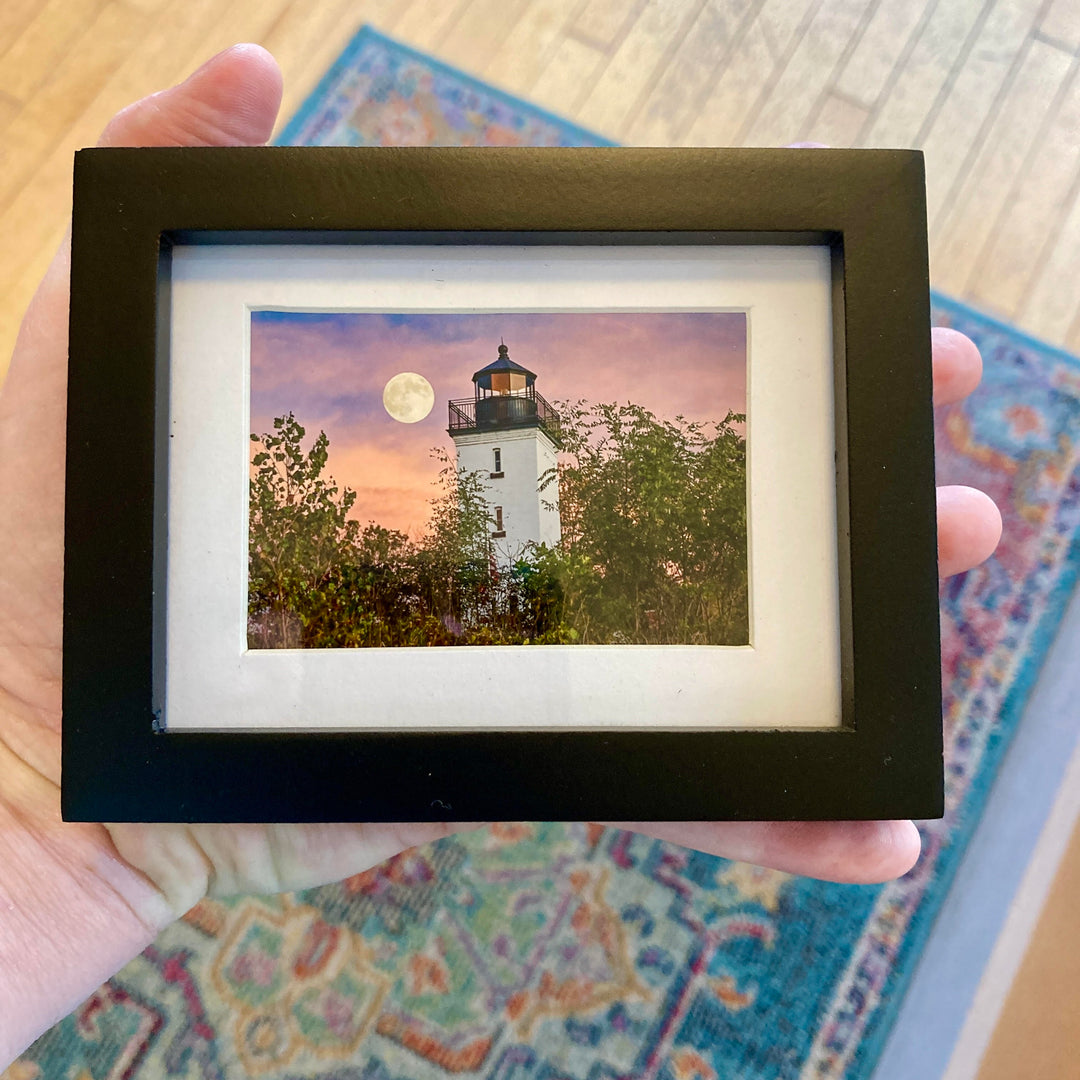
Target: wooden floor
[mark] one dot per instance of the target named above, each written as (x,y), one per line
(988,88)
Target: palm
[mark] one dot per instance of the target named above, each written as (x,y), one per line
(184,861)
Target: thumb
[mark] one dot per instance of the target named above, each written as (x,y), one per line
(232,100)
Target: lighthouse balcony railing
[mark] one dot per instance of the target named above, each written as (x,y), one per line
(501,411)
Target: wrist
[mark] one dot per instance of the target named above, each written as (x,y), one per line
(72,912)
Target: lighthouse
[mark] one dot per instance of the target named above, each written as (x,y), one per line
(509,435)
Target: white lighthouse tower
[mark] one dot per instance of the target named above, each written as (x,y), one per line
(509,435)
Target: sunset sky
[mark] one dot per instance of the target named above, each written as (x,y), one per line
(330,370)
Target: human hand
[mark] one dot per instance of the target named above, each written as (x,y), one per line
(969,528)
(78,900)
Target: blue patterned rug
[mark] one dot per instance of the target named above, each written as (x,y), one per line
(568,952)
(382,93)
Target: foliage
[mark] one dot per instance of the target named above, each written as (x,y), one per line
(298,525)
(653,526)
(456,554)
(653,547)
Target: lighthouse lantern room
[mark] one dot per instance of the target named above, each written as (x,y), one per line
(509,434)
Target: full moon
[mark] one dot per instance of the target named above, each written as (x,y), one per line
(408,397)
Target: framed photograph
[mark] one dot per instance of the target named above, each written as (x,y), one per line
(500,484)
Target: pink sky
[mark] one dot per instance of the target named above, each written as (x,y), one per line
(330,370)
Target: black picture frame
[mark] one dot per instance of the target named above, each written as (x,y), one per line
(132,205)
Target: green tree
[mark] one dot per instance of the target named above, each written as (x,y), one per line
(653,547)
(456,555)
(298,526)
(368,596)
(653,526)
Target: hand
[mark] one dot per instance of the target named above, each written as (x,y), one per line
(78,900)
(969,527)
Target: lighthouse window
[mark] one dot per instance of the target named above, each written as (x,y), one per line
(505,382)
(499,530)
(496,469)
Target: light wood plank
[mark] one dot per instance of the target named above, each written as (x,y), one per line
(1062,23)
(910,99)
(184,35)
(15,16)
(975,213)
(1072,343)
(634,66)
(145,7)
(480,32)
(784,23)
(424,24)
(785,113)
(306,41)
(838,122)
(601,23)
(56,107)
(1049,309)
(888,33)
(9,109)
(33,226)
(568,76)
(739,86)
(531,44)
(303,30)
(750,69)
(43,43)
(975,93)
(1038,1035)
(673,103)
(1037,206)
(172,47)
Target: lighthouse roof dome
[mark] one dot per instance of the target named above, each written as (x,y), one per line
(503,363)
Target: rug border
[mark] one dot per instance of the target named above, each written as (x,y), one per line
(867,1057)
(367,33)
